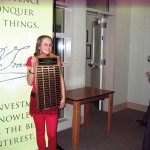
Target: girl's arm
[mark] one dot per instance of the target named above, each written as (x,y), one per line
(63,92)
(30,72)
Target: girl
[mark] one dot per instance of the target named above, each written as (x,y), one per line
(48,116)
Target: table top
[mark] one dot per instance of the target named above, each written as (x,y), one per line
(85,93)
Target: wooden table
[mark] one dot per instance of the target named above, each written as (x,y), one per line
(85,95)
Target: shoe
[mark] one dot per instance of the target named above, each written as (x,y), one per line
(141,122)
(59,147)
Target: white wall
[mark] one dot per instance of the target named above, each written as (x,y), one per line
(122,53)
(128,45)
(77,64)
(138,91)
(78,44)
(132,49)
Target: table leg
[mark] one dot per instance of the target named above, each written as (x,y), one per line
(86,113)
(110,107)
(76,125)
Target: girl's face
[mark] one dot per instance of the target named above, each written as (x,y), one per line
(46,46)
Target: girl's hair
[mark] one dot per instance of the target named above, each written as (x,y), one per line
(38,44)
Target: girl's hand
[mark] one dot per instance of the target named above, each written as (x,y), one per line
(148,75)
(62,103)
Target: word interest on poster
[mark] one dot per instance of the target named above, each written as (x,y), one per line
(15,128)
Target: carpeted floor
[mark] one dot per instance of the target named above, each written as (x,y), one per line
(126,134)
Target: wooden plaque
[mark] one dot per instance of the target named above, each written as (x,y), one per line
(48,82)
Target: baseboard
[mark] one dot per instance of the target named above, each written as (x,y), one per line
(136,106)
(130,105)
(119,107)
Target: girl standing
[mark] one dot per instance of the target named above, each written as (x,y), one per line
(48,117)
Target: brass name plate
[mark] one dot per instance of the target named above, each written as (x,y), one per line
(47,61)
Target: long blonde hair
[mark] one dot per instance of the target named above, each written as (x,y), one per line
(38,43)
